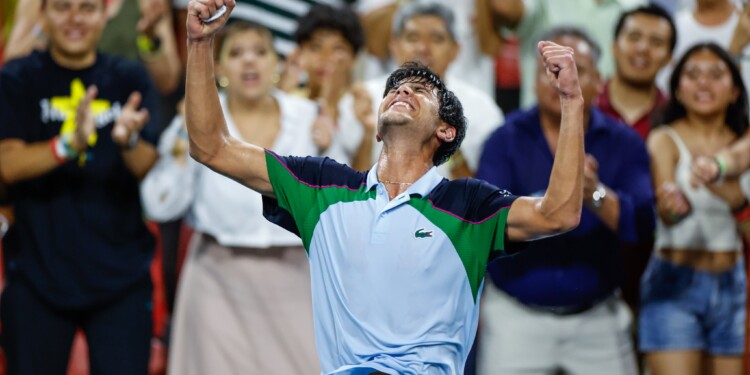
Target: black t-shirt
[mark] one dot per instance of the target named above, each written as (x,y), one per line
(79,236)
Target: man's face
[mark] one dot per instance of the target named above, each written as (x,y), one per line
(642,48)
(425,39)
(588,77)
(409,103)
(74,26)
(325,54)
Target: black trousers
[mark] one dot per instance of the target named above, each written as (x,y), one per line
(37,337)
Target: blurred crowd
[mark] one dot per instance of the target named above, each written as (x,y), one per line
(123,255)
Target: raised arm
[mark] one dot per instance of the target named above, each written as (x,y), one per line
(559,210)
(729,162)
(210,142)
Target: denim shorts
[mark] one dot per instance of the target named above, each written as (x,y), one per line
(686,309)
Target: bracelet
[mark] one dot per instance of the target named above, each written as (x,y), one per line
(722,165)
(741,214)
(62,151)
(132,141)
(54,145)
(147,47)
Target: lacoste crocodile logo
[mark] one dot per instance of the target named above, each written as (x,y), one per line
(421,233)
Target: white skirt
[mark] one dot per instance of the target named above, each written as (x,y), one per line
(243,311)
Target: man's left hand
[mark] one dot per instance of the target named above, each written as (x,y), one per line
(130,122)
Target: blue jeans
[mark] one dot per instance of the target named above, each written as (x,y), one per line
(686,309)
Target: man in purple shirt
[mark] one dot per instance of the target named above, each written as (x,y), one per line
(555,306)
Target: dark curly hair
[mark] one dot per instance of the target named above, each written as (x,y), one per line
(323,16)
(737,112)
(451,111)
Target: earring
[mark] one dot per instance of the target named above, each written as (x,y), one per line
(223,81)
(276,78)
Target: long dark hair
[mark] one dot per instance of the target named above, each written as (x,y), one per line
(737,113)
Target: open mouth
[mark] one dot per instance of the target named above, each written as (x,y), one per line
(401,104)
(250,77)
(703,97)
(639,63)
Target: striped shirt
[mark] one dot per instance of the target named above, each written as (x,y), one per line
(280,16)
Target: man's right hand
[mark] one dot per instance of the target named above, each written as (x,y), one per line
(85,125)
(199,10)
(561,69)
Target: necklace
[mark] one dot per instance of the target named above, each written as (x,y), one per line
(395,183)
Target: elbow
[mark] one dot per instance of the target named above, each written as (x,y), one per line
(566,222)
(202,155)
(571,223)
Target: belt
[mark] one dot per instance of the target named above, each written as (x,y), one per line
(562,310)
(567,310)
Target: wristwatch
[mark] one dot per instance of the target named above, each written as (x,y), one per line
(597,199)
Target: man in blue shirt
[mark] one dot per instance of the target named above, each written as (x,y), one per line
(554,306)
(398,253)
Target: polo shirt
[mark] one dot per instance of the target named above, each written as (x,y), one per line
(395,283)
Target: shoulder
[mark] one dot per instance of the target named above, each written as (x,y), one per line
(127,73)
(23,66)
(461,88)
(121,65)
(473,98)
(470,199)
(660,137)
(517,123)
(316,172)
(616,130)
(684,17)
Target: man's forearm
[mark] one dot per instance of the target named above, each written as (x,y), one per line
(21,161)
(377,26)
(164,66)
(564,197)
(140,159)
(203,115)
(737,157)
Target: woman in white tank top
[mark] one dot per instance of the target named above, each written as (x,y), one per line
(693,292)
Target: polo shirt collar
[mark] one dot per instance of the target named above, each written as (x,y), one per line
(423,186)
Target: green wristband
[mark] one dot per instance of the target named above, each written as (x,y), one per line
(722,164)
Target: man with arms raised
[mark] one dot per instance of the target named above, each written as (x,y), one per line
(397,253)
